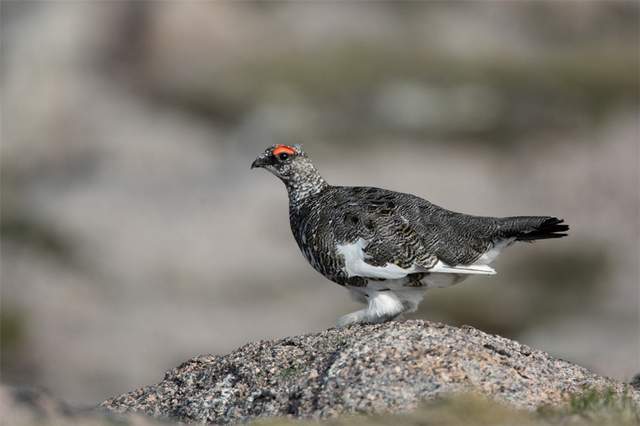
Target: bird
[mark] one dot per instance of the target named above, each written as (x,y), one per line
(385,247)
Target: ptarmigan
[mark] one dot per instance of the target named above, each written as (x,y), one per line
(387,247)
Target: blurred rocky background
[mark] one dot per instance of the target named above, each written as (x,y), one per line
(134,235)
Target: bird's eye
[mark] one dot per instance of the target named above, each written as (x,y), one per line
(283,156)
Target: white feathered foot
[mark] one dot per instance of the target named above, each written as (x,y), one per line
(382,306)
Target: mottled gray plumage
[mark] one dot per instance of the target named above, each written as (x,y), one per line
(381,232)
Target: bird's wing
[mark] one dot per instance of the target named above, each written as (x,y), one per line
(359,263)
(472,269)
(387,237)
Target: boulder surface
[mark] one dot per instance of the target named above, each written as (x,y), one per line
(388,367)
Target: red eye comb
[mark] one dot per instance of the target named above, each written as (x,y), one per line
(279,149)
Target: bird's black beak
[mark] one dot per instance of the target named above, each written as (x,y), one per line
(260,162)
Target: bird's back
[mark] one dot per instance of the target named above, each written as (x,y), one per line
(399,228)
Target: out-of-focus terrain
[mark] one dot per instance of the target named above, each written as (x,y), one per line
(593,408)
(134,235)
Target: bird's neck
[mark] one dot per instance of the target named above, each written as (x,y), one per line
(304,184)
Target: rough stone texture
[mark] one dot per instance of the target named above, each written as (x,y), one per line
(361,369)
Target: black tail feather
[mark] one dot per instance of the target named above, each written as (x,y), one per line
(531,228)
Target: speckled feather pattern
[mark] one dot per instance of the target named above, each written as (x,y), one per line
(399,229)
(402,229)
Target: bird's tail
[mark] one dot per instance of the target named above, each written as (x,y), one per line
(530,228)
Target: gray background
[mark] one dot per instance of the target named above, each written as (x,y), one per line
(134,235)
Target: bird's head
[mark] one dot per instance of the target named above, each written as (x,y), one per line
(284,161)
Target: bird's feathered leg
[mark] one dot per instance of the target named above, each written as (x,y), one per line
(357,317)
(382,306)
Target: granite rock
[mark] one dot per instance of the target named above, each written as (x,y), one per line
(382,368)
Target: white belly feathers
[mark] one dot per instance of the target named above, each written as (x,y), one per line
(356,266)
